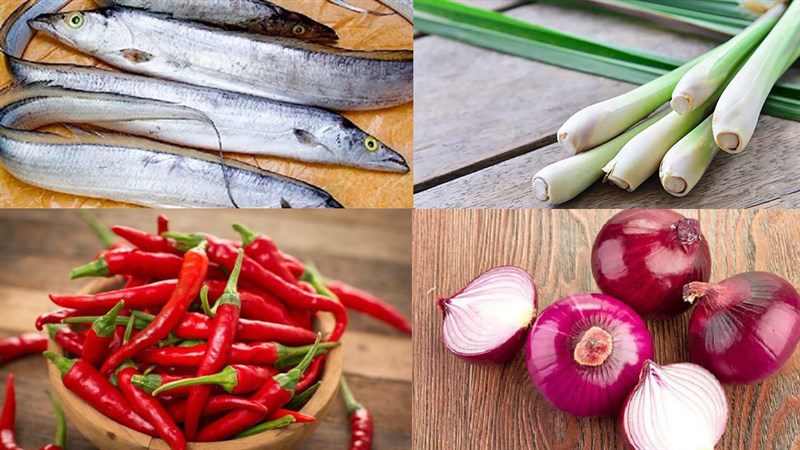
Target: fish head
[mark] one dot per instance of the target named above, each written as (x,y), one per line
(89,31)
(294,25)
(359,148)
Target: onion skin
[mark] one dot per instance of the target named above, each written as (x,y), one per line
(579,389)
(745,327)
(500,352)
(674,407)
(645,257)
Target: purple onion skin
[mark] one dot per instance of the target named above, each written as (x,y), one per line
(581,390)
(645,257)
(745,327)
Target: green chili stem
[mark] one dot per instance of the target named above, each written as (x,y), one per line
(284,421)
(106,236)
(96,268)
(60,439)
(312,275)
(349,400)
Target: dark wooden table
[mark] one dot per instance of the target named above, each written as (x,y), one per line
(485,122)
(462,406)
(368,249)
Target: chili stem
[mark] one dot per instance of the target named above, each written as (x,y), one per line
(312,276)
(284,421)
(204,300)
(349,400)
(299,401)
(106,236)
(60,439)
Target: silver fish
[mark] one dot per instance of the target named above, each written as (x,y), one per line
(255,16)
(129,169)
(273,67)
(247,124)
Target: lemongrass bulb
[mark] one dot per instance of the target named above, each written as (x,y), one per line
(598,123)
(687,161)
(640,158)
(564,180)
(759,6)
(738,109)
(703,80)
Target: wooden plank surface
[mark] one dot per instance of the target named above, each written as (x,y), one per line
(486,121)
(457,405)
(369,249)
(353,187)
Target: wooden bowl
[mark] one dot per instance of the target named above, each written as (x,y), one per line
(108,434)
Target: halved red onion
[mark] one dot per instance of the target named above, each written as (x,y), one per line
(674,407)
(645,257)
(745,327)
(486,321)
(585,352)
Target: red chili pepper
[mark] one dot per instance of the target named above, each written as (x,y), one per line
(54,317)
(150,408)
(192,274)
(90,385)
(133,282)
(303,317)
(7,441)
(363,302)
(233,379)
(101,336)
(145,241)
(260,353)
(60,439)
(153,295)
(163,224)
(158,266)
(275,393)
(312,374)
(293,264)
(217,404)
(68,340)
(360,420)
(197,326)
(264,251)
(255,306)
(298,417)
(223,327)
(291,294)
(20,346)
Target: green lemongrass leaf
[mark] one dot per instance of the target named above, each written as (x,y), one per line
(687,161)
(495,31)
(566,179)
(658,12)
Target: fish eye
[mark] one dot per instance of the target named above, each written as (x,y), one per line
(371,143)
(298,29)
(74,19)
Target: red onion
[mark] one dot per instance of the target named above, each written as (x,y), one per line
(679,406)
(486,321)
(585,352)
(743,328)
(644,257)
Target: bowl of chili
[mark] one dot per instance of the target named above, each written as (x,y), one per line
(104,432)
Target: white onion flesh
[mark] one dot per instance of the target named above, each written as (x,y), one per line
(489,313)
(679,406)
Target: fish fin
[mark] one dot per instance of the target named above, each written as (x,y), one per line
(136,56)
(285,204)
(305,138)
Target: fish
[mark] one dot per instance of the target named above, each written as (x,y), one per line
(246,124)
(255,16)
(273,67)
(131,169)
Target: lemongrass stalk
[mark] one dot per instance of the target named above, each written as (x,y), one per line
(687,161)
(704,79)
(566,179)
(737,112)
(602,121)
(641,157)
